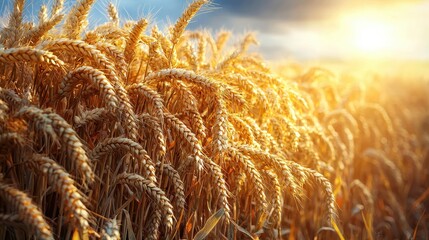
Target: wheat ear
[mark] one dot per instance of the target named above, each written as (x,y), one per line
(111,145)
(27,211)
(216,173)
(154,222)
(76,20)
(10,139)
(15,24)
(36,34)
(43,14)
(12,99)
(93,115)
(189,137)
(95,77)
(184,75)
(191,109)
(277,199)
(74,147)
(178,185)
(130,47)
(113,14)
(91,52)
(38,120)
(115,54)
(220,129)
(152,96)
(152,122)
(183,21)
(57,7)
(29,54)
(72,200)
(156,194)
(110,230)
(273,162)
(253,175)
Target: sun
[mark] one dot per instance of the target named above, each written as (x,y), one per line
(370,35)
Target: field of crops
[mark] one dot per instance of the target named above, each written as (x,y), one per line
(128,132)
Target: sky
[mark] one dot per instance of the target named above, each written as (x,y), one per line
(293,29)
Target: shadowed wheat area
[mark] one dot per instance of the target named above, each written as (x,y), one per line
(121,131)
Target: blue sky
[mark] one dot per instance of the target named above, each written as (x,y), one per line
(293,29)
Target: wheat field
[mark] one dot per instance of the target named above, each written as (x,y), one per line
(125,132)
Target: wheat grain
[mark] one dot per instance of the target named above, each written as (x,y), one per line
(3,109)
